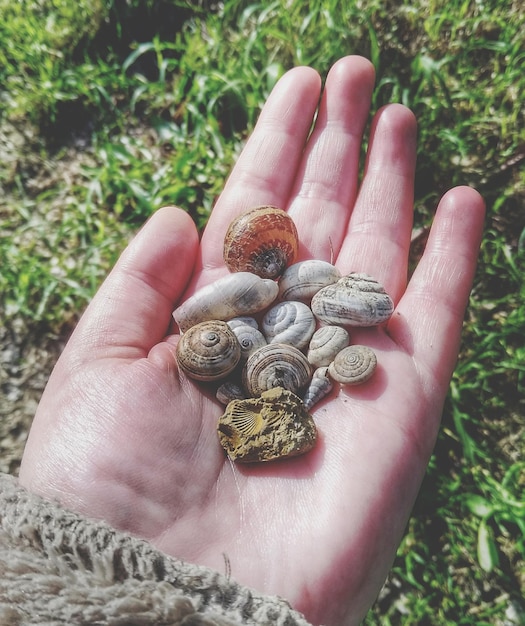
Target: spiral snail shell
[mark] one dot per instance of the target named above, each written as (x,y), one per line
(229,391)
(233,295)
(208,351)
(276,365)
(249,338)
(353,365)
(289,322)
(262,240)
(325,343)
(301,281)
(354,300)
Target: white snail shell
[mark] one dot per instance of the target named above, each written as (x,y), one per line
(355,300)
(249,338)
(276,365)
(301,281)
(325,343)
(208,351)
(319,387)
(353,365)
(237,294)
(289,322)
(243,320)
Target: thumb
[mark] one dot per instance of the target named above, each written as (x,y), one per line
(132,310)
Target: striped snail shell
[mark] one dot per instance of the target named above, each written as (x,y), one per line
(353,365)
(301,281)
(208,351)
(326,342)
(249,338)
(233,295)
(289,322)
(276,365)
(319,387)
(355,300)
(262,240)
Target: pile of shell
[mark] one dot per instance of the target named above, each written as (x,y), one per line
(267,366)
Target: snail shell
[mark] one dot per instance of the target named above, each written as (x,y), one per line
(243,320)
(262,240)
(233,295)
(353,365)
(208,351)
(319,387)
(249,338)
(289,322)
(276,365)
(301,281)
(273,426)
(326,342)
(229,391)
(355,300)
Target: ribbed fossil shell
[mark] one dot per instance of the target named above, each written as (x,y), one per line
(301,281)
(233,295)
(262,240)
(289,322)
(319,387)
(355,300)
(249,338)
(276,365)
(273,426)
(208,351)
(326,342)
(353,365)
(229,391)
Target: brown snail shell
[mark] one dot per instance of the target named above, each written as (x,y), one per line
(276,365)
(301,281)
(233,295)
(319,387)
(208,351)
(289,322)
(353,365)
(354,300)
(326,343)
(273,426)
(262,240)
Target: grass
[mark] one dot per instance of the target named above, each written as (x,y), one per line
(110,109)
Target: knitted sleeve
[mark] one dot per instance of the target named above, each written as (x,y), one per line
(57,568)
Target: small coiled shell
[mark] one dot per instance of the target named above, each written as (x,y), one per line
(233,295)
(319,387)
(301,281)
(262,240)
(276,365)
(353,365)
(249,338)
(208,351)
(229,391)
(355,300)
(326,342)
(289,322)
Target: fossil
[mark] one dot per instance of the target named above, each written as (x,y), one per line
(273,426)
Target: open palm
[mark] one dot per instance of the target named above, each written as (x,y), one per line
(121,435)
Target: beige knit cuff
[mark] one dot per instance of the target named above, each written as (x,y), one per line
(57,567)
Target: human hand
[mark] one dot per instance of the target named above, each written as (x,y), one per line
(121,435)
